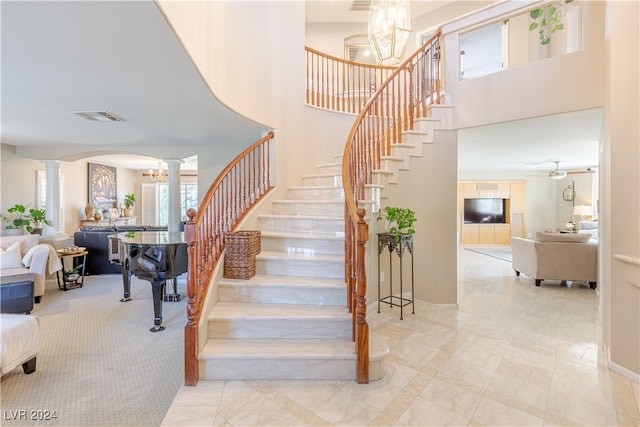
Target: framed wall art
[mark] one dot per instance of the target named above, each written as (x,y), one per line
(102,186)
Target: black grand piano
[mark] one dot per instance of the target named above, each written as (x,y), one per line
(155,256)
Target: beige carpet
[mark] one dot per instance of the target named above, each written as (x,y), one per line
(99,364)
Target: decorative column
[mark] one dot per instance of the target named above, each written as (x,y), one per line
(173,171)
(52,205)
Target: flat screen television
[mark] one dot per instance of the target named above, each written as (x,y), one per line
(484,211)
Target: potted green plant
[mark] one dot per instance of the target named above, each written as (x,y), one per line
(399,221)
(17,221)
(38,218)
(129,201)
(73,274)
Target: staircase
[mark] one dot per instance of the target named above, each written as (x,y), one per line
(290,321)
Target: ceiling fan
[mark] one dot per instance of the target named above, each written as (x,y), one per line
(557,173)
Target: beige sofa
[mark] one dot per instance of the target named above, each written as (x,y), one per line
(33,254)
(557,256)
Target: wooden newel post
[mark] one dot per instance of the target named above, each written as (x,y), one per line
(362,328)
(191,329)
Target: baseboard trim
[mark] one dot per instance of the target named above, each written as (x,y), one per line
(633,376)
(625,372)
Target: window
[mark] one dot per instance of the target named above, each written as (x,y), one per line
(188,199)
(481,51)
(155,202)
(518,40)
(41,194)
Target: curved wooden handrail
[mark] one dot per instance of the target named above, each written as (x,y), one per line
(341,85)
(241,184)
(404,96)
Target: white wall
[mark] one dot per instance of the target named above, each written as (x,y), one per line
(18,180)
(621,176)
(261,57)
(570,82)
(76,187)
(429,189)
(329,38)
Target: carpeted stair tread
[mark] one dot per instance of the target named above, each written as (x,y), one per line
(242,310)
(274,280)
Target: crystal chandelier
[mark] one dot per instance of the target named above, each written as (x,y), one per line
(159,175)
(389,29)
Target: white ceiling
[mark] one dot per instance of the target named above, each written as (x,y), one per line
(339,11)
(59,57)
(533,144)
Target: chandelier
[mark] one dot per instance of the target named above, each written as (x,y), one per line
(389,29)
(160,174)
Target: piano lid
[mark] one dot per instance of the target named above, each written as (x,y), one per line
(152,237)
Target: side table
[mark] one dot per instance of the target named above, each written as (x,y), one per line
(71,280)
(404,242)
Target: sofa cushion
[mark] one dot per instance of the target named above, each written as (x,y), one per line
(563,237)
(27,241)
(11,257)
(98,228)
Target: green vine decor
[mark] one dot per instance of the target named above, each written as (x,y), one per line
(545,18)
(399,220)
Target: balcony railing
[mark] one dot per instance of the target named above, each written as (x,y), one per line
(340,85)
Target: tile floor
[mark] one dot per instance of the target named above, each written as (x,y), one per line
(509,354)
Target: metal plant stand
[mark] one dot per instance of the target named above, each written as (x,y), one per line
(388,241)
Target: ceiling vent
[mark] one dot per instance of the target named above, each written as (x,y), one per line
(360,5)
(98,116)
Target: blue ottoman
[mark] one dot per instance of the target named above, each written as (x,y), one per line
(16,293)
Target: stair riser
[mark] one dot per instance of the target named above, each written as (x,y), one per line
(295,245)
(330,168)
(444,116)
(403,151)
(312,193)
(323,181)
(392,166)
(298,225)
(267,294)
(300,267)
(417,140)
(426,125)
(373,193)
(380,179)
(332,210)
(277,369)
(271,328)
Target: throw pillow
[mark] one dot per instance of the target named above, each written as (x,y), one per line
(588,225)
(563,237)
(10,258)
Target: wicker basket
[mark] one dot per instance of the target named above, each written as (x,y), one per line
(241,249)
(243,241)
